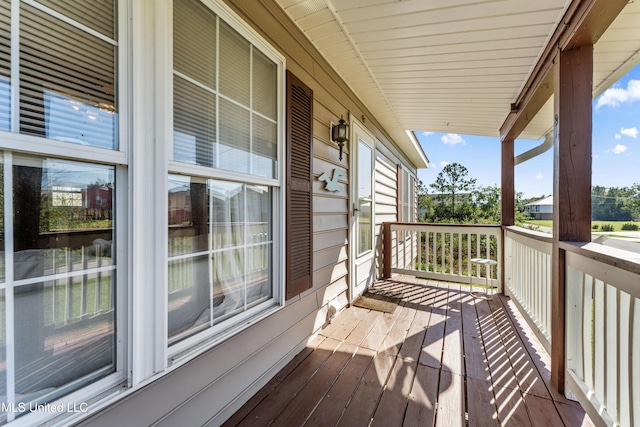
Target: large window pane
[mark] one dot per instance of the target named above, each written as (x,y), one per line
(225,96)
(212,281)
(67,83)
(365,191)
(63,326)
(63,218)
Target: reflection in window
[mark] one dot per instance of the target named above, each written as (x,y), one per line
(74,100)
(64,277)
(220,251)
(365,191)
(5,103)
(5,66)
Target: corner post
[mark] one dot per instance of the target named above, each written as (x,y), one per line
(386,242)
(507,187)
(573,82)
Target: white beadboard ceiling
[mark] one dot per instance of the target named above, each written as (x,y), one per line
(450,65)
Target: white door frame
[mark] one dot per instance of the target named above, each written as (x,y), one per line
(363,263)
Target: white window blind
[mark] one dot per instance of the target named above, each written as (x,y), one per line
(225,96)
(67,77)
(5,65)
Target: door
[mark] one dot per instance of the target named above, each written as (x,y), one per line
(362,218)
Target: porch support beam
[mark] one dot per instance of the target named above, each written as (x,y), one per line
(573,86)
(583,24)
(507,197)
(507,187)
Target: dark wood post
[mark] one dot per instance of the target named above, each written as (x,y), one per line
(386,244)
(507,187)
(573,81)
(507,197)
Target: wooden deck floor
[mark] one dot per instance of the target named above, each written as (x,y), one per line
(443,358)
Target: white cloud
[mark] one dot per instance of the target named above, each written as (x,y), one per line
(619,149)
(539,176)
(616,96)
(452,139)
(443,164)
(618,136)
(596,156)
(425,134)
(632,132)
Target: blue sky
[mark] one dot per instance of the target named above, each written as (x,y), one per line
(616,147)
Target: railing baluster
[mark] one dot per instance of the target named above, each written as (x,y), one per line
(459,254)
(435,259)
(419,264)
(442,245)
(85,285)
(469,272)
(69,289)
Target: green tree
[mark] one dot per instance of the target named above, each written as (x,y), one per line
(453,180)
(425,203)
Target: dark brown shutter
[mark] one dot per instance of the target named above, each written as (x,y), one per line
(299,186)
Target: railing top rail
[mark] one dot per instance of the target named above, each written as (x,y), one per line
(625,260)
(537,235)
(431,224)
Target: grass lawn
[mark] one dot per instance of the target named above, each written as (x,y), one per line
(617,225)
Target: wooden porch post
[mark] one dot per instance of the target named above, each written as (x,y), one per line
(386,245)
(507,188)
(573,81)
(507,197)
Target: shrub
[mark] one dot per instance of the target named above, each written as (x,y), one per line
(629,226)
(595,227)
(607,227)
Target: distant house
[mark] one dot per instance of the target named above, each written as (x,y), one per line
(540,209)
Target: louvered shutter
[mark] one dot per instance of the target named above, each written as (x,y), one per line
(299,186)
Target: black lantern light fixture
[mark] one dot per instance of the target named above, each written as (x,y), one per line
(340,134)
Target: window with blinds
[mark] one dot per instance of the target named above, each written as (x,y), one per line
(58,268)
(5,65)
(67,69)
(221,246)
(225,95)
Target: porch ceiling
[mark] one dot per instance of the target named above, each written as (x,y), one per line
(450,65)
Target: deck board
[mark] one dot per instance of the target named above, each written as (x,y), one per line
(443,358)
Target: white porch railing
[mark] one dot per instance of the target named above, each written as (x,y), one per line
(527,278)
(443,252)
(602,294)
(603,331)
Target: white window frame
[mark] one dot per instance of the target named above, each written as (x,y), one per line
(12,142)
(185,350)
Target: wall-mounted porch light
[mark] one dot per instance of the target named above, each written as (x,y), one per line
(340,134)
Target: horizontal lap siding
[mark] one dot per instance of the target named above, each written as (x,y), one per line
(211,387)
(386,205)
